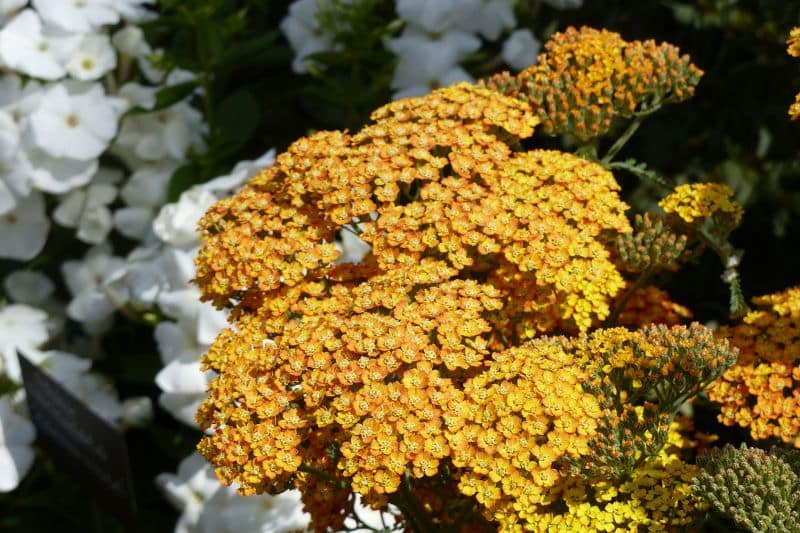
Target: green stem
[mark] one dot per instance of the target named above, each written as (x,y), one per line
(324,476)
(412,510)
(611,321)
(622,140)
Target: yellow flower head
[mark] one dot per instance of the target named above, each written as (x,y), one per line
(697,201)
(793,41)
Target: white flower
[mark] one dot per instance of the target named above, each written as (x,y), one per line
(41,52)
(144,194)
(427,61)
(136,412)
(228,512)
(129,41)
(177,223)
(16,452)
(24,228)
(189,489)
(167,133)
(8,7)
(56,174)
(75,120)
(438,16)
(93,303)
(243,171)
(95,56)
(87,209)
(489,18)
(78,15)
(564,4)
(134,10)
(521,49)
(29,287)
(352,248)
(208,507)
(22,328)
(304,32)
(183,385)
(142,276)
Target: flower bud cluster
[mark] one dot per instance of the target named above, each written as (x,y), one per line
(586,79)
(651,247)
(753,488)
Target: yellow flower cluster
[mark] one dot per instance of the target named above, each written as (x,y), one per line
(697,201)
(555,416)
(657,497)
(793,43)
(651,305)
(366,364)
(586,78)
(762,392)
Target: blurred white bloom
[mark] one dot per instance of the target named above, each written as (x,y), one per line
(78,15)
(183,385)
(438,16)
(243,171)
(16,452)
(374,520)
(136,412)
(189,489)
(427,61)
(564,4)
(228,512)
(9,7)
(176,223)
(208,507)
(75,120)
(29,287)
(352,248)
(56,174)
(134,10)
(22,328)
(41,52)
(93,303)
(95,56)
(489,17)
(142,277)
(144,194)
(163,134)
(521,49)
(158,76)
(304,32)
(24,228)
(129,41)
(87,209)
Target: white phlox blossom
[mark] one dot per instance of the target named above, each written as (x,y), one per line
(9,7)
(521,49)
(24,227)
(304,32)
(144,193)
(22,328)
(93,59)
(76,120)
(208,507)
(28,46)
(93,301)
(78,15)
(33,288)
(16,441)
(130,42)
(87,210)
(176,223)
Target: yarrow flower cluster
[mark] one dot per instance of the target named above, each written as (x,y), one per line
(762,391)
(793,42)
(586,79)
(694,202)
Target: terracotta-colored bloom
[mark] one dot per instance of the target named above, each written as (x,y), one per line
(762,391)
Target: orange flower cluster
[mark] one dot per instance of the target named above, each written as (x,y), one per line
(793,42)
(762,392)
(587,78)
(365,364)
(651,305)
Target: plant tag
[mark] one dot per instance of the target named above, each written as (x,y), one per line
(81,442)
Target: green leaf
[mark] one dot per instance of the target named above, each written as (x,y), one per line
(182,179)
(238,117)
(173,94)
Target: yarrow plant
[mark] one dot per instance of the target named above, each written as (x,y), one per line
(429,374)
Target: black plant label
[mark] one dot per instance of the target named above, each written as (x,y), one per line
(81,443)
